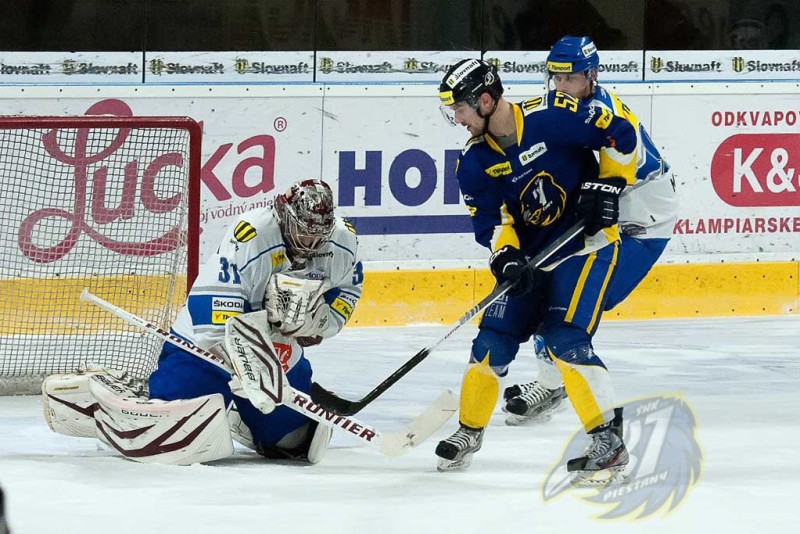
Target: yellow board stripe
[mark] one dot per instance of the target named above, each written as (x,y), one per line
(603,289)
(576,295)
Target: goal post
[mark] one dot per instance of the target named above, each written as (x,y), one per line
(107,203)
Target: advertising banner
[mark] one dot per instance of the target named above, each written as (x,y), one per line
(716,65)
(70,67)
(390,158)
(252,147)
(229,67)
(737,165)
(529,67)
(391,66)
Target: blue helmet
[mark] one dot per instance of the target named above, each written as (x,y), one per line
(572,54)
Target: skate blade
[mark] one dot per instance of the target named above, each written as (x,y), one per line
(605,478)
(526,420)
(544,416)
(445,465)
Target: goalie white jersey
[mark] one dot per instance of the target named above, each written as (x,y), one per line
(234,279)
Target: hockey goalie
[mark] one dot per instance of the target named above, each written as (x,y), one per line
(283,279)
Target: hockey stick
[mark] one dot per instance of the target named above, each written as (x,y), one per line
(390,444)
(339,405)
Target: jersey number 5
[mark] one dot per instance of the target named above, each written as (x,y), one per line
(564,100)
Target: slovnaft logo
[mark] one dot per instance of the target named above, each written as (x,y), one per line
(159,67)
(666,461)
(243,65)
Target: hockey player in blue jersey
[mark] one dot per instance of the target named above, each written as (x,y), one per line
(526,175)
(647,214)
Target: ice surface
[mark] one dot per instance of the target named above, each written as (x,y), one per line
(741,376)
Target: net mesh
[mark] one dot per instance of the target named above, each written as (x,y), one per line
(101,208)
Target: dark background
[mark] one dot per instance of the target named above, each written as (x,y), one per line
(215,25)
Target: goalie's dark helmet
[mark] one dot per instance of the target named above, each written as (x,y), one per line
(467,80)
(305,216)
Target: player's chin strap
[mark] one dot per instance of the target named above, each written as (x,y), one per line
(486,118)
(272,381)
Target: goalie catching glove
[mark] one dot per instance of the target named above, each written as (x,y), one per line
(296,307)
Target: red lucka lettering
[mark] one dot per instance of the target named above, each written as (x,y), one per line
(760,225)
(714,226)
(100,212)
(747,227)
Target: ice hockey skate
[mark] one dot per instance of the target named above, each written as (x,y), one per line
(456,451)
(531,403)
(604,460)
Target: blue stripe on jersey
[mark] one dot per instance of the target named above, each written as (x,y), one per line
(343,248)
(251,260)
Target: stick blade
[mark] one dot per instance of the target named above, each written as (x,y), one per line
(333,403)
(423,426)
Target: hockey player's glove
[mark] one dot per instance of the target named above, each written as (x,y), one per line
(508,264)
(598,203)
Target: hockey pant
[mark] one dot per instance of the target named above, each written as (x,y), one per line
(181,375)
(567,315)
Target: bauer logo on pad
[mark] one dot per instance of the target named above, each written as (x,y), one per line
(666,461)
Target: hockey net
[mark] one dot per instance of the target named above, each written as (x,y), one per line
(106,203)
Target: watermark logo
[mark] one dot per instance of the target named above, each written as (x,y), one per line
(665,464)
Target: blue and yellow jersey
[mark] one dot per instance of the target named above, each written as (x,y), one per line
(649,209)
(649,162)
(524,194)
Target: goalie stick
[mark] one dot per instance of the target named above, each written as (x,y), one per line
(390,444)
(335,404)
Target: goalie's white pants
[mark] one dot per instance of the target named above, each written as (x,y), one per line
(98,404)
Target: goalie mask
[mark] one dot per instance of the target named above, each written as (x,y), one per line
(305,216)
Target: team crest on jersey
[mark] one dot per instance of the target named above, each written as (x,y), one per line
(666,461)
(244,232)
(543,200)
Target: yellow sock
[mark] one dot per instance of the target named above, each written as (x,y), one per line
(479,393)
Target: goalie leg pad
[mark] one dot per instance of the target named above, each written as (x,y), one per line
(180,432)
(69,405)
